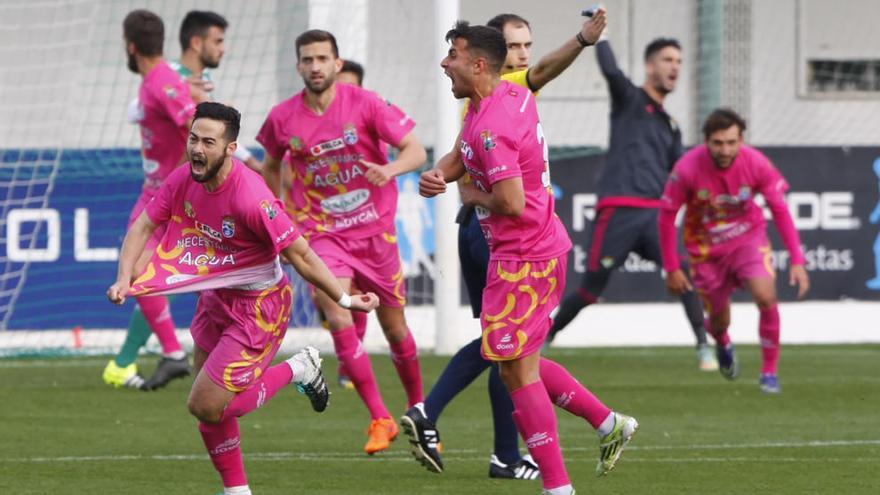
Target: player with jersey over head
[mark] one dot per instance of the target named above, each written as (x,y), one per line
(164,113)
(504,152)
(726,235)
(223,233)
(345,199)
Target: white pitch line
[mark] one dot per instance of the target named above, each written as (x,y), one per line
(467,454)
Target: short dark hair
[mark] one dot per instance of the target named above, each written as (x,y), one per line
(659,44)
(230,117)
(488,41)
(721,119)
(355,68)
(146,30)
(197,23)
(499,21)
(316,36)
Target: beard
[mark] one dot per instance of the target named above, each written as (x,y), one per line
(211,169)
(210,63)
(132,64)
(319,87)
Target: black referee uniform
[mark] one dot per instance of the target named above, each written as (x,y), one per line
(645,144)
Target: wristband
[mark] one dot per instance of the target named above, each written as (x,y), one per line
(582,41)
(242,153)
(344,301)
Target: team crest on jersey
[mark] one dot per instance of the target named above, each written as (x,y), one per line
(350,134)
(188,209)
(270,210)
(170,91)
(228,227)
(296,144)
(703,194)
(745,193)
(488,140)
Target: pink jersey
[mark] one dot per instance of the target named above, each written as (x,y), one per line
(166,107)
(330,192)
(503,140)
(721,210)
(229,237)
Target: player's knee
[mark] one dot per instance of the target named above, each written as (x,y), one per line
(203,412)
(719,321)
(766,301)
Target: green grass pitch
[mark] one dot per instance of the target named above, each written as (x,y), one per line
(62,431)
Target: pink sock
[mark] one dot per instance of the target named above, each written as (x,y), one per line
(158,315)
(721,337)
(223,443)
(357,362)
(768,330)
(360,327)
(360,323)
(405,356)
(564,390)
(260,392)
(536,421)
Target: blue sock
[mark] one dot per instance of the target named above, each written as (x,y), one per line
(464,367)
(506,435)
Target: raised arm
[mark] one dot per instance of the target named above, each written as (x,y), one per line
(618,83)
(555,62)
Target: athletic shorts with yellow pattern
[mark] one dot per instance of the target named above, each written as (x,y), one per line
(517,303)
(241,331)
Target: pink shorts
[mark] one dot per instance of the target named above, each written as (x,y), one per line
(517,302)
(373,263)
(717,278)
(142,201)
(241,331)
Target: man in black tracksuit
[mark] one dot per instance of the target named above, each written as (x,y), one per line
(644,145)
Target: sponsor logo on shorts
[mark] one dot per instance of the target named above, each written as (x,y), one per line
(228,227)
(539,439)
(350,134)
(506,343)
(320,149)
(345,203)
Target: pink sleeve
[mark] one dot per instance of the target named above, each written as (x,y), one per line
(674,195)
(500,156)
(391,123)
(177,102)
(269,137)
(159,208)
(773,187)
(266,217)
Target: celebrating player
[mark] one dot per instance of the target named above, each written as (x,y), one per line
(223,233)
(504,152)
(164,114)
(345,197)
(468,364)
(202,36)
(726,237)
(645,142)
